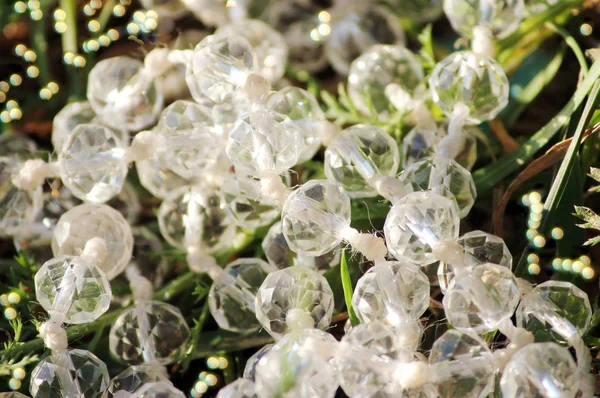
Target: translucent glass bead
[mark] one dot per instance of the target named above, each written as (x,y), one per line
(86,221)
(555,311)
(269,45)
(307,358)
(16,205)
(123,94)
(479,248)
(264,141)
(241,388)
(314,217)
(357,155)
(417,222)
(540,370)
(92,163)
(69,374)
(354,29)
(12,394)
(158,389)
(152,331)
(392,292)
(244,202)
(303,109)
(157,178)
(250,368)
(502,17)
(293,288)
(380,339)
(233,293)
(67,119)
(195,217)
(418,11)
(481,298)
(278,252)
(145,244)
(128,381)
(445,177)
(74,288)
(379,67)
(219,67)
(463,364)
(17,145)
(475,80)
(127,203)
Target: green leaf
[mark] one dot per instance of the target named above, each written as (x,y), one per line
(347,285)
(426,53)
(592,220)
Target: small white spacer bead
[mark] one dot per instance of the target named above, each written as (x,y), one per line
(298,319)
(449,252)
(483,41)
(328,132)
(412,374)
(273,188)
(200,262)
(141,287)
(54,335)
(390,188)
(143,147)
(157,62)
(33,173)
(95,251)
(371,246)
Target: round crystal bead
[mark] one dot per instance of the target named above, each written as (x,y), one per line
(128,381)
(417,222)
(250,368)
(357,155)
(145,244)
(473,79)
(379,67)
(241,388)
(158,389)
(540,370)
(418,11)
(74,288)
(87,221)
(16,205)
(12,394)
(303,109)
(233,293)
(265,141)
(151,331)
(467,369)
(502,17)
(293,288)
(314,217)
(480,298)
(157,178)
(67,119)
(555,311)
(17,145)
(445,177)
(219,67)
(92,163)
(123,94)
(269,45)
(72,373)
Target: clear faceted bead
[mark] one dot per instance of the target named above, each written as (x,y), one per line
(87,221)
(244,202)
(69,117)
(250,368)
(241,388)
(74,288)
(540,370)
(477,81)
(232,295)
(129,380)
(219,67)
(379,67)
(278,252)
(269,45)
(69,374)
(157,177)
(502,17)
(152,331)
(12,394)
(17,145)
(306,358)
(127,203)
(158,389)
(145,244)
(293,288)
(265,141)
(92,163)
(16,205)
(354,29)
(479,248)
(394,293)
(420,143)
(417,222)
(302,108)
(480,298)
(445,177)
(357,155)
(380,338)
(123,94)
(194,217)
(555,311)
(464,365)
(418,11)
(364,374)
(314,216)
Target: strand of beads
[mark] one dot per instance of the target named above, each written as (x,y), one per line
(148,336)
(73,289)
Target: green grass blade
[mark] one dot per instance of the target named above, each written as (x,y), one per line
(347,285)
(572,43)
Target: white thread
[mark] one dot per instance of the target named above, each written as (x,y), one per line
(411,374)
(328,132)
(201,262)
(483,41)
(451,145)
(273,188)
(449,252)
(399,97)
(518,338)
(298,319)
(141,287)
(371,246)
(389,187)
(95,251)
(33,173)
(53,334)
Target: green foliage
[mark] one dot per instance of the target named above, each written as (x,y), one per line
(347,284)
